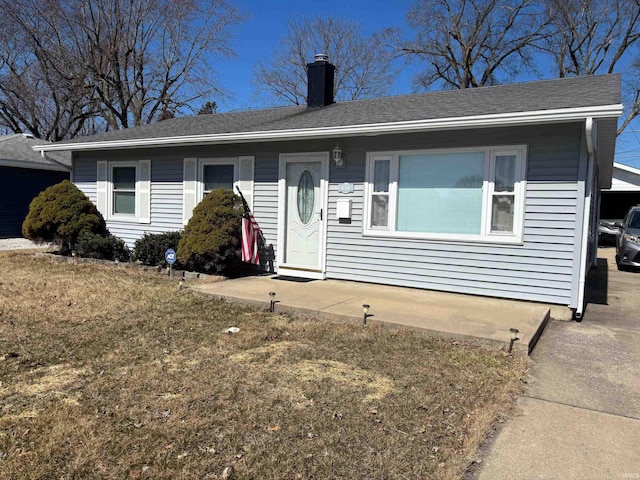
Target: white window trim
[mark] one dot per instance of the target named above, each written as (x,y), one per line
(487,190)
(202,162)
(110,190)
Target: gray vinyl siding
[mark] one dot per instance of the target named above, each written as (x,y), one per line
(541,269)
(265,199)
(166,196)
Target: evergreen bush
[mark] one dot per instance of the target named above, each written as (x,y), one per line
(211,240)
(151,247)
(60,214)
(110,247)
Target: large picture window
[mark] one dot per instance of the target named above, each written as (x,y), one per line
(466,194)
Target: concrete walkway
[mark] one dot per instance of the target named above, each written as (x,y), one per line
(580,418)
(20,244)
(482,319)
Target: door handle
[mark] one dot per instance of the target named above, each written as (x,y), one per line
(320,212)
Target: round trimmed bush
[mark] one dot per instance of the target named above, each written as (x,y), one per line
(211,240)
(60,214)
(151,247)
(91,245)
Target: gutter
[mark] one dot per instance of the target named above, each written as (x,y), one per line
(588,132)
(476,121)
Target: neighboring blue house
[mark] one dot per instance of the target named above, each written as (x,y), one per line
(488,191)
(23,175)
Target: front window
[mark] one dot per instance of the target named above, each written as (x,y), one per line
(217,173)
(217,176)
(466,194)
(124,190)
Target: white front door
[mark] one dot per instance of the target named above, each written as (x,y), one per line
(303,196)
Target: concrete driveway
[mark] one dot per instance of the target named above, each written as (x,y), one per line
(580,417)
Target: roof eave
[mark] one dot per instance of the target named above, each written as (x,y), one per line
(34,165)
(478,121)
(626,168)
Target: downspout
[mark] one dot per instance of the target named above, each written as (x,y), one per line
(53,160)
(584,252)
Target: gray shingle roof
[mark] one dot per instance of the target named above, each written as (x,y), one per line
(16,150)
(521,97)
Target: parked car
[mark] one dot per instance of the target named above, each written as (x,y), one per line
(607,231)
(628,239)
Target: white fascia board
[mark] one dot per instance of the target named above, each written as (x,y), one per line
(626,168)
(477,121)
(34,165)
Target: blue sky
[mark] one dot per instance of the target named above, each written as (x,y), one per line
(259,34)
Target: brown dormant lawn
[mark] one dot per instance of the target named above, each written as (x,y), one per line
(116,373)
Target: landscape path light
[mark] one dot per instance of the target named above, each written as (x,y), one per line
(365,313)
(272,302)
(513,333)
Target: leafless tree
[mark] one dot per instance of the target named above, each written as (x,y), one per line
(473,43)
(363,65)
(597,36)
(113,63)
(42,92)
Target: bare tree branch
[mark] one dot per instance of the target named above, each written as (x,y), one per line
(107,64)
(473,43)
(598,36)
(363,65)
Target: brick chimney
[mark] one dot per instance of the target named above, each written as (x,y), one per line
(320,81)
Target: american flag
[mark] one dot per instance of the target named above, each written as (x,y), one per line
(250,232)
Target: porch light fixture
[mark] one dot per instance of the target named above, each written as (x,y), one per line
(365,313)
(513,333)
(272,302)
(337,156)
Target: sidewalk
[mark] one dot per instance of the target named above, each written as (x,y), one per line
(580,418)
(479,318)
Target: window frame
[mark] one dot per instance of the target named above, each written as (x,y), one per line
(488,190)
(203,162)
(111,191)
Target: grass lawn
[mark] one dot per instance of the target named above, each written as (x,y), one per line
(115,373)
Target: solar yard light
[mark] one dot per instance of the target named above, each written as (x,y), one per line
(365,313)
(272,303)
(513,333)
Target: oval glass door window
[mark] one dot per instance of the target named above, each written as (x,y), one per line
(305,197)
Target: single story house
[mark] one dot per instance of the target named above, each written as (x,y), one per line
(24,173)
(486,191)
(623,194)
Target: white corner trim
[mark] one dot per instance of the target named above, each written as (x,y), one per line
(474,121)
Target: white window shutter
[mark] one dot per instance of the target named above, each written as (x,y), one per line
(101,188)
(189,188)
(144,191)
(245,178)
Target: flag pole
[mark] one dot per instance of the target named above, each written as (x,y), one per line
(247,211)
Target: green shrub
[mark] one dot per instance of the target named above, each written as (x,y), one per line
(60,214)
(211,239)
(151,247)
(91,245)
